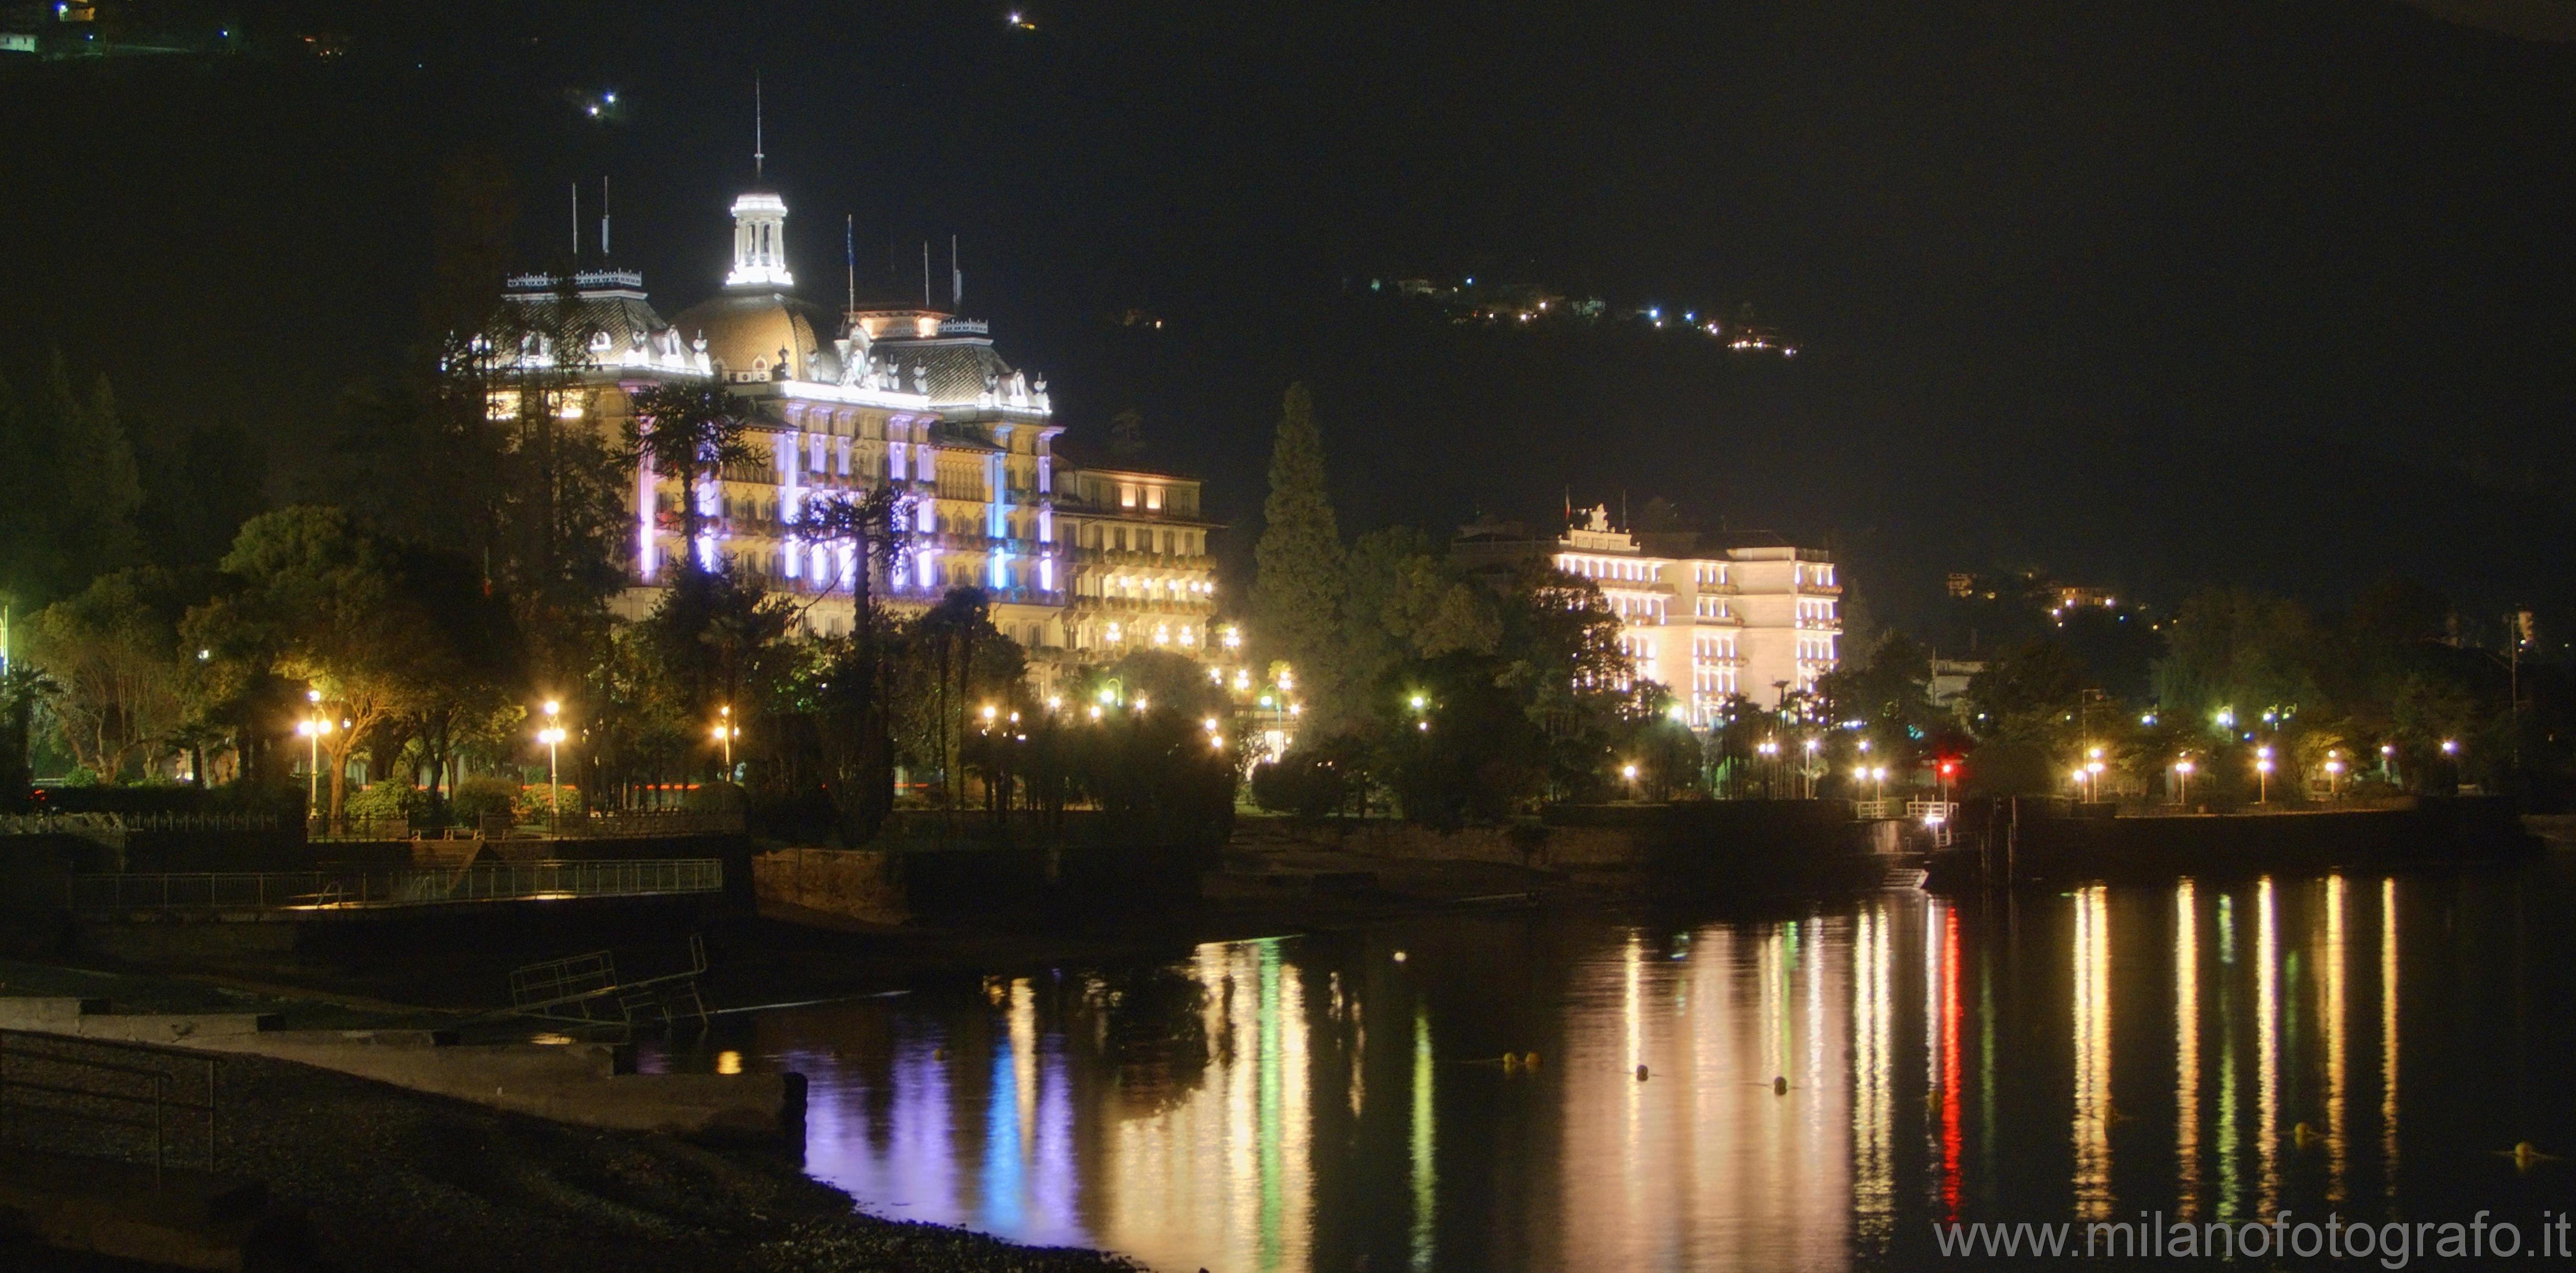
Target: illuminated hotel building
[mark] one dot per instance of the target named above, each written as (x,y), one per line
(1708,623)
(1081,563)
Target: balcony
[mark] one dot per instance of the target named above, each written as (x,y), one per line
(1113,607)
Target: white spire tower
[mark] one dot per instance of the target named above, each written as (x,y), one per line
(759,222)
(760,242)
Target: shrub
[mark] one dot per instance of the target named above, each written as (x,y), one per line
(390,799)
(718,796)
(482,796)
(1305,782)
(532,800)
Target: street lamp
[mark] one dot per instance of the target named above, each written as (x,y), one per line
(2263,775)
(314,728)
(1808,772)
(2334,775)
(726,732)
(2182,770)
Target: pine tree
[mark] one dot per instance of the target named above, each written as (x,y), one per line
(1296,596)
(100,485)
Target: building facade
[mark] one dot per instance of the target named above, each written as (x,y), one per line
(1707,622)
(1080,563)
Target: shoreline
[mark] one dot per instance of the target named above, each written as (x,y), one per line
(401,1180)
(398,1181)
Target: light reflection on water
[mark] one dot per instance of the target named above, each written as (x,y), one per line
(1818,1089)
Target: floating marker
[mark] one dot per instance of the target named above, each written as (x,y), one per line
(1641,1074)
(2525,1155)
(1779,1085)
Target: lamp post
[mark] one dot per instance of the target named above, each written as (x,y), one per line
(2263,775)
(2182,772)
(726,732)
(1769,750)
(552,736)
(313,728)
(1808,771)
(2334,776)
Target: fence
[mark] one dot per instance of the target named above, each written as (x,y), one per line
(201,821)
(103,828)
(583,826)
(350,890)
(99,1099)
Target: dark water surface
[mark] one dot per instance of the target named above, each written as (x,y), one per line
(2360,1044)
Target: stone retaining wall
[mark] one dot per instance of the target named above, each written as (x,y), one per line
(1560,848)
(863,884)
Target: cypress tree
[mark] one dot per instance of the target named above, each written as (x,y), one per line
(1296,595)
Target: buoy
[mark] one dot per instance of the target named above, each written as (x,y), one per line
(1529,1060)
(1641,1074)
(939,1054)
(1510,1063)
(2525,1154)
(1779,1085)
(1399,956)
(2303,1135)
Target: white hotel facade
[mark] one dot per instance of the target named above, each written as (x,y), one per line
(1081,562)
(1708,623)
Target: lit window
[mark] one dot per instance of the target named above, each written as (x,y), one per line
(1153,497)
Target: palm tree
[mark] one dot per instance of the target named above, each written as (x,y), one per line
(691,431)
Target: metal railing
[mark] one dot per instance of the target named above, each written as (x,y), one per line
(85,825)
(201,821)
(350,890)
(100,1099)
(604,825)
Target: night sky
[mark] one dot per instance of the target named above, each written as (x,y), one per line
(2152,295)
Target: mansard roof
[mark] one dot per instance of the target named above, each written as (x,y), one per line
(957,366)
(608,311)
